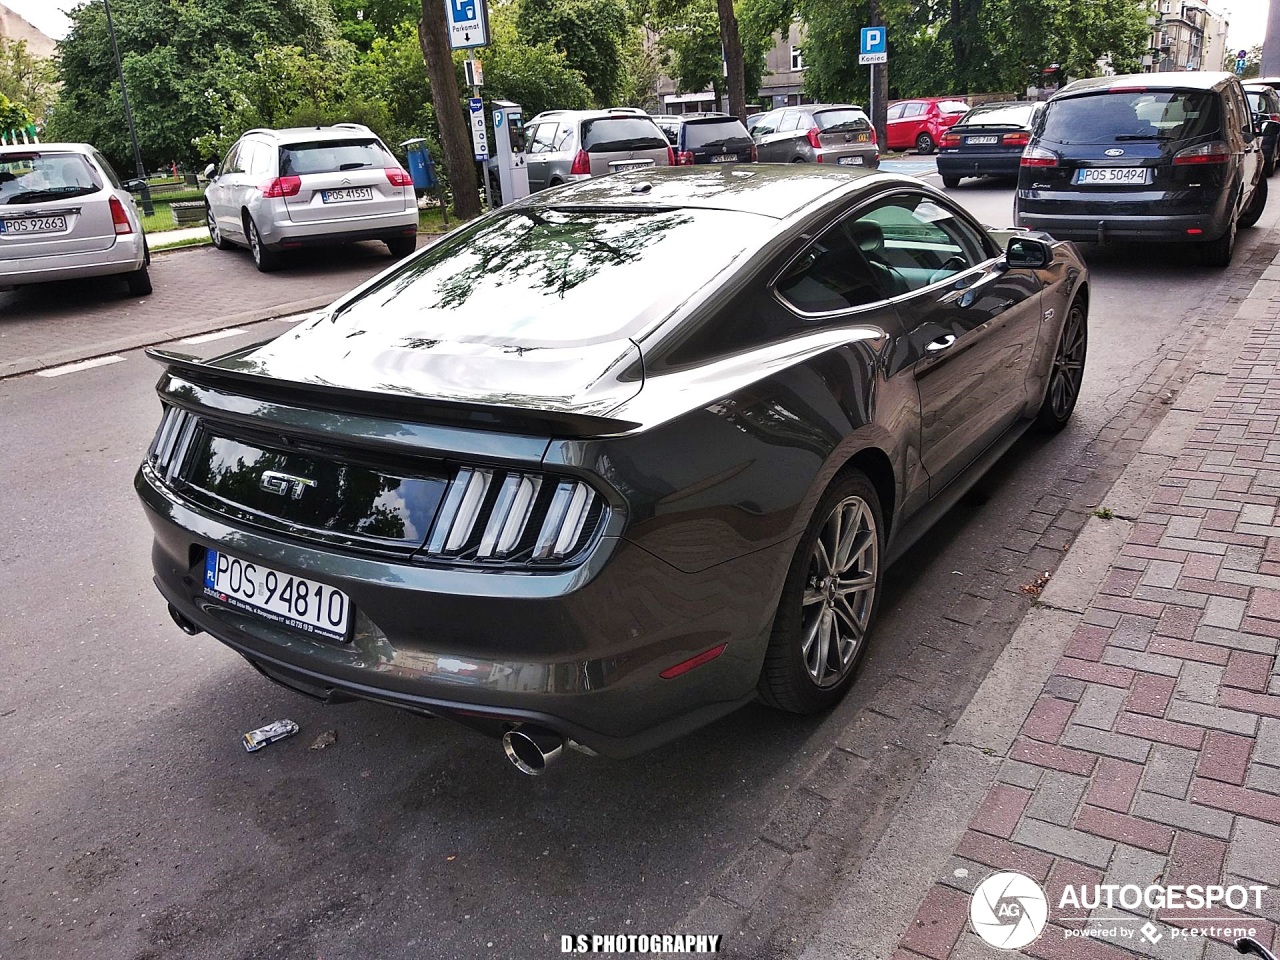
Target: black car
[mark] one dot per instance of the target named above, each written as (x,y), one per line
(712,139)
(1264,101)
(514,482)
(1153,156)
(986,142)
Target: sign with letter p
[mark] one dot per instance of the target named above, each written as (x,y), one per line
(875,45)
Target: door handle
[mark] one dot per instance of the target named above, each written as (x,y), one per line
(940,344)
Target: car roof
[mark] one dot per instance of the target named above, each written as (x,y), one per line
(337,131)
(1172,80)
(47,148)
(771,190)
(591,114)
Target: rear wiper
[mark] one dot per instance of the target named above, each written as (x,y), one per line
(352,166)
(51,193)
(1142,136)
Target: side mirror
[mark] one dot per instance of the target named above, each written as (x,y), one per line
(1028,253)
(134,186)
(211,171)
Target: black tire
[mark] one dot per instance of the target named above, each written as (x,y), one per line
(807,679)
(264,258)
(924,144)
(1257,203)
(139,282)
(1218,253)
(1269,170)
(215,235)
(401,247)
(1067,372)
(951,182)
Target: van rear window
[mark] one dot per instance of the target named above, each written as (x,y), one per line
(1132,115)
(333,156)
(605,134)
(703,133)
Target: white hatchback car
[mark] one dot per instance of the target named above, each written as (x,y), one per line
(277,190)
(64,214)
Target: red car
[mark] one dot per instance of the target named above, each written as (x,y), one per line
(920,123)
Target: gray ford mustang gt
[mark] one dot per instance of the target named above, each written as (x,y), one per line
(612,461)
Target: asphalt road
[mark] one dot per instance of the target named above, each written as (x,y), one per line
(133,825)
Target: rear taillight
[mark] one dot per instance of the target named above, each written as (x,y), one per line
(671,156)
(684,158)
(755,154)
(397,177)
(1015,139)
(1273,116)
(1038,157)
(872,131)
(282,187)
(119,218)
(950,140)
(812,134)
(513,516)
(581,163)
(173,438)
(1214,152)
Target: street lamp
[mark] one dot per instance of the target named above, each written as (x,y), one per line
(147,208)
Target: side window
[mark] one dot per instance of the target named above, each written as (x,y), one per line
(540,138)
(895,112)
(106,168)
(789,120)
(805,122)
(913,109)
(563,133)
(918,241)
(766,125)
(833,273)
(259,163)
(230,160)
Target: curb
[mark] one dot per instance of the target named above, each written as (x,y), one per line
(152,337)
(876,907)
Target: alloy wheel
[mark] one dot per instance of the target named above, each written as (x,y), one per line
(212,222)
(255,243)
(1068,364)
(839,593)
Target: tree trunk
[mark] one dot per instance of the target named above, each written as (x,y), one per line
(455,128)
(732,44)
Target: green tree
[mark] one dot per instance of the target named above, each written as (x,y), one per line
(25,78)
(590,33)
(538,77)
(13,116)
(363,21)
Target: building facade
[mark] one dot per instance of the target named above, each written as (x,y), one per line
(1185,35)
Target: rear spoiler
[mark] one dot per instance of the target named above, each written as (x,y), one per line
(365,403)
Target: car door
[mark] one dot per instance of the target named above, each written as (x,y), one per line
(765,134)
(898,125)
(221,194)
(538,153)
(970,325)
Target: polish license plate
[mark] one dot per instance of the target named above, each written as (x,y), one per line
(346,194)
(981,140)
(850,161)
(724,158)
(293,601)
(33,225)
(1120,175)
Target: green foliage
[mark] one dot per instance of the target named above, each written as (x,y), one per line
(641,67)
(1252,62)
(179,59)
(590,34)
(689,33)
(13,116)
(25,78)
(361,22)
(536,76)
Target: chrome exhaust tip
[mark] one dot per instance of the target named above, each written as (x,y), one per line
(185,625)
(532,749)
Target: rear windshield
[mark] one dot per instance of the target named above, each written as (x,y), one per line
(543,277)
(605,134)
(36,177)
(953,106)
(841,121)
(703,133)
(999,115)
(1132,115)
(333,156)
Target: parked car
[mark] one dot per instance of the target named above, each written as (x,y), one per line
(712,139)
(514,482)
(669,123)
(64,214)
(566,145)
(278,190)
(817,133)
(986,142)
(921,123)
(1153,156)
(1264,101)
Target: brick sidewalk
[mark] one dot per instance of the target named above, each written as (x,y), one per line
(1153,753)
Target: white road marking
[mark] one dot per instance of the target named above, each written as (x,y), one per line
(216,335)
(76,367)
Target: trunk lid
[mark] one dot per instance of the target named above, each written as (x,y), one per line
(623,142)
(52,203)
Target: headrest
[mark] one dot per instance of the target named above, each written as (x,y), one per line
(867,235)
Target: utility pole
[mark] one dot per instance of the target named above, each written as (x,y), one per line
(1271,45)
(879,106)
(147,208)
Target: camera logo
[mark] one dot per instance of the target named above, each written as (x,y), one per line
(1008,910)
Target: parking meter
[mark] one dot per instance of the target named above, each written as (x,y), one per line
(508,150)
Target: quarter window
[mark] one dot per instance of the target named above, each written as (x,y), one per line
(541,139)
(789,119)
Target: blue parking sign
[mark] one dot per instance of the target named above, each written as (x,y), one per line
(875,45)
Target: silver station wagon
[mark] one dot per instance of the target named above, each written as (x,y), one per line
(64,214)
(277,190)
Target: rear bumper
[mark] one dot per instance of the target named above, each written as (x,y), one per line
(126,255)
(380,227)
(576,651)
(869,155)
(979,164)
(1065,219)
